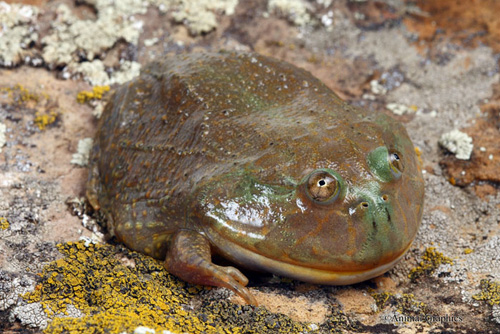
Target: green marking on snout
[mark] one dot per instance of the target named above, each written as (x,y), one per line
(379,164)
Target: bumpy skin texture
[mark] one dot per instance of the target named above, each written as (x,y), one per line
(259,161)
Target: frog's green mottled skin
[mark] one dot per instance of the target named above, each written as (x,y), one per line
(211,153)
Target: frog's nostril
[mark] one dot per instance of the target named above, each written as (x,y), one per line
(365,204)
(385,198)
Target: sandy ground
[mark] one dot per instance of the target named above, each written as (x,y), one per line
(433,65)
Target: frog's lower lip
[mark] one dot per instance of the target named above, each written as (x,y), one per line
(305,273)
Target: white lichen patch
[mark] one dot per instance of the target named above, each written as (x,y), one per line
(400,109)
(17,31)
(324,3)
(70,39)
(81,157)
(151,41)
(296,11)
(3,140)
(377,88)
(199,15)
(327,20)
(70,36)
(128,70)
(458,143)
(495,313)
(98,109)
(11,287)
(31,315)
(144,330)
(91,71)
(94,72)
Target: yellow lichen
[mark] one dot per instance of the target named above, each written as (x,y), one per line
(381,298)
(431,260)
(115,297)
(337,322)
(96,94)
(418,151)
(408,304)
(4,223)
(490,292)
(468,250)
(312,59)
(20,94)
(404,303)
(47,108)
(42,120)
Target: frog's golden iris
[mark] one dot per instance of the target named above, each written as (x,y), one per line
(322,187)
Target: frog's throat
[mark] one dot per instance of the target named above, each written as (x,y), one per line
(303,273)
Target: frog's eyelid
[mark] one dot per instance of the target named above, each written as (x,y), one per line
(288,181)
(386,163)
(395,164)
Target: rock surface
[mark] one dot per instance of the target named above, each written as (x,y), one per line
(434,64)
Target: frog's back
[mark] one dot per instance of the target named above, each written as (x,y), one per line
(201,114)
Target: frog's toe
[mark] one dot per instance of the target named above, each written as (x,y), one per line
(233,279)
(236,275)
(189,258)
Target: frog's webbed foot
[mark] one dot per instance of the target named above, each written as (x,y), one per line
(189,258)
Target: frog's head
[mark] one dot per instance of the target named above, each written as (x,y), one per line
(345,212)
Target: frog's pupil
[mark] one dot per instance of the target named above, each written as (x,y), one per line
(321,183)
(395,157)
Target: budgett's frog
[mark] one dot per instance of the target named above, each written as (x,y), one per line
(256,160)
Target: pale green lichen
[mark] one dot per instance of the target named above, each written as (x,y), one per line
(81,157)
(199,15)
(70,35)
(458,143)
(128,70)
(69,39)
(401,109)
(94,72)
(17,32)
(296,11)
(116,21)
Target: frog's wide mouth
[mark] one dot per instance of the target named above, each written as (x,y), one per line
(310,274)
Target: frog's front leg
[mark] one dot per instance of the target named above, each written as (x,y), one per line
(189,258)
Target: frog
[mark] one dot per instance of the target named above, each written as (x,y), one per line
(255,160)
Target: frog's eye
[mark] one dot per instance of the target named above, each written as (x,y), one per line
(322,187)
(396,164)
